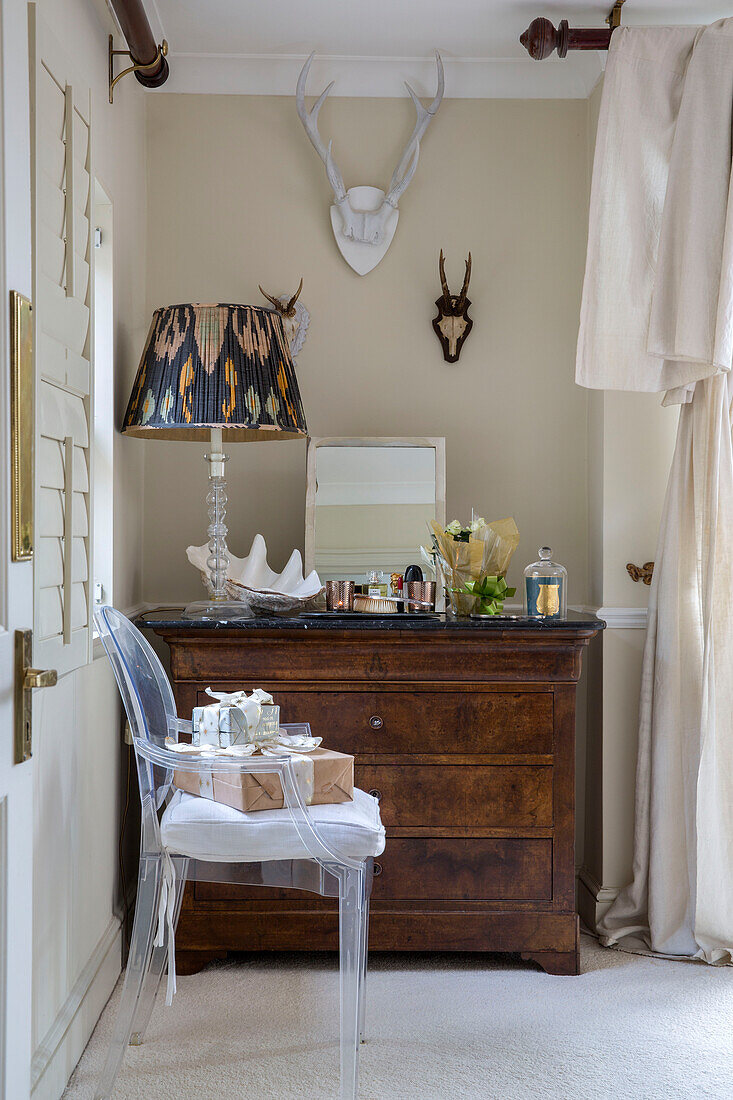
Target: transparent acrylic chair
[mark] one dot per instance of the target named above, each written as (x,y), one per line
(328,850)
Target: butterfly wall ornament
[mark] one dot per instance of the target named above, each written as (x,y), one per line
(364,219)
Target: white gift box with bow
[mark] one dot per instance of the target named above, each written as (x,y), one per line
(235,719)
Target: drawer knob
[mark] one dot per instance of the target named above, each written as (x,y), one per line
(376,722)
(377,870)
(376,794)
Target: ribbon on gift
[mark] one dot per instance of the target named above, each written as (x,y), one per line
(167,921)
(247,708)
(295,745)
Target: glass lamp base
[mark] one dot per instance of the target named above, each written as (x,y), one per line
(218,611)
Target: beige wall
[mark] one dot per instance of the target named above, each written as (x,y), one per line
(238,197)
(78,752)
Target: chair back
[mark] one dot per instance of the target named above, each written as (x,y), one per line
(146,693)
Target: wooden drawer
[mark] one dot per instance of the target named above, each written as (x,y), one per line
(418,869)
(464,870)
(394,722)
(460,796)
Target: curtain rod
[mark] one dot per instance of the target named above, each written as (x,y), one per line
(150,65)
(541,39)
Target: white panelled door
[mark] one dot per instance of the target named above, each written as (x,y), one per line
(16,578)
(62,250)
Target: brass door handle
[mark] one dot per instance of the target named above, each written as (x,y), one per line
(26,679)
(40,678)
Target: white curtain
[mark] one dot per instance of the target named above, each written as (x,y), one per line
(657,315)
(681,899)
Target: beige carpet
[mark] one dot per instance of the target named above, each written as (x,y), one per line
(439,1027)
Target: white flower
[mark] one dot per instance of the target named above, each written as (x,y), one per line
(477,524)
(454,528)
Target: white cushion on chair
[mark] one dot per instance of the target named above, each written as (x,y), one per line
(203,829)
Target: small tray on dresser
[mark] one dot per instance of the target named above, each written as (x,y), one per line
(369,615)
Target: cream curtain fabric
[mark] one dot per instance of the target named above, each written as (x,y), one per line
(657,310)
(681,899)
(657,315)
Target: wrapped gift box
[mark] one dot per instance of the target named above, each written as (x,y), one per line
(323,775)
(237,718)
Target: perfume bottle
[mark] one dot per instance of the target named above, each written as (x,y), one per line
(376,586)
(545,587)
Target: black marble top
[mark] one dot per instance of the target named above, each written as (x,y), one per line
(171,619)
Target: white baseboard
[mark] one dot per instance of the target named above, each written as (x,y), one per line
(619,618)
(594,900)
(63,1044)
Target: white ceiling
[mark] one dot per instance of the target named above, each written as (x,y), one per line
(370,46)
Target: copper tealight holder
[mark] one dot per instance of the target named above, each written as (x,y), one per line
(339,595)
(420,596)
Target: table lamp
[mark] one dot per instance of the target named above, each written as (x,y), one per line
(222,373)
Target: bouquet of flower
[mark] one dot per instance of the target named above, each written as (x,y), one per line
(473,560)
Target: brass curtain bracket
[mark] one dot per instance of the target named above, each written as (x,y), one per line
(641,572)
(614,16)
(135,67)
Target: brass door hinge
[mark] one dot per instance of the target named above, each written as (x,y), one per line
(26,679)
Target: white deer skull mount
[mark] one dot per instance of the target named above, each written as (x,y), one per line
(364,219)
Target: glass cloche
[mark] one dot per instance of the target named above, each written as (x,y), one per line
(545,587)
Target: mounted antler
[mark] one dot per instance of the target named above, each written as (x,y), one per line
(443,280)
(286,309)
(464,289)
(295,317)
(452,325)
(310,123)
(405,170)
(368,226)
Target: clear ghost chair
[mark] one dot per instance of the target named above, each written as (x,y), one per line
(328,850)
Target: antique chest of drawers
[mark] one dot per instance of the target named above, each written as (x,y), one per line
(464,730)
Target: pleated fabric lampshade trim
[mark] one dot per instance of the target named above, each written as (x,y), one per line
(221,365)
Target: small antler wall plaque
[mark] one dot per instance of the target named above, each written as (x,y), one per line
(452,325)
(296,317)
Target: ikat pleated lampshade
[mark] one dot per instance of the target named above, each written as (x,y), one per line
(222,366)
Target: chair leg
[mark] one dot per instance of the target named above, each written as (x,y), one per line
(364,950)
(141,949)
(352,901)
(158,961)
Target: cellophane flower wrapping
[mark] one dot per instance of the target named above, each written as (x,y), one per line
(487,552)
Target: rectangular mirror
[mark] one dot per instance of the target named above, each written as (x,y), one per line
(368,503)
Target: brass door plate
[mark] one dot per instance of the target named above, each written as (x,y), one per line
(22,426)
(23,697)
(26,678)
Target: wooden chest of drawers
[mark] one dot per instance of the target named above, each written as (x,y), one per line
(465,731)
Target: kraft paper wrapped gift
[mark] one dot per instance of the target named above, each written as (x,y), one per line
(324,776)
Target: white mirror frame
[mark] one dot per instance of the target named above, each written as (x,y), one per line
(437,443)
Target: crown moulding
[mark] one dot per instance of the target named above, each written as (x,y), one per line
(384,77)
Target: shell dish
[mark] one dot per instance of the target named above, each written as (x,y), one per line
(250,580)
